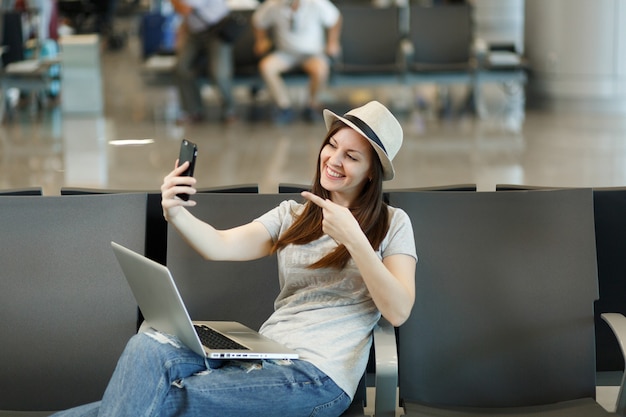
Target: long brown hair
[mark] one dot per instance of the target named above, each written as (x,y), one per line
(369,209)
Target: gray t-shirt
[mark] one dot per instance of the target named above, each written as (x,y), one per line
(327,315)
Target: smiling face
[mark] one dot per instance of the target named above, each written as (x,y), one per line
(345,165)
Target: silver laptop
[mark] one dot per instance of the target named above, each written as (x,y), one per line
(163,309)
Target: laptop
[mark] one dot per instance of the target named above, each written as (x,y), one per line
(162,306)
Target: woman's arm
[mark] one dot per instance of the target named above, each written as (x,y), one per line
(246,242)
(391,282)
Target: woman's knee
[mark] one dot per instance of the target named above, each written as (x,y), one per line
(152,343)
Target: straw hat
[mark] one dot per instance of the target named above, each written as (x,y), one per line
(376,123)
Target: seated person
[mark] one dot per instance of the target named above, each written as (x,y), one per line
(306,33)
(344,259)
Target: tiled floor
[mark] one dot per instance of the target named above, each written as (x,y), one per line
(574,146)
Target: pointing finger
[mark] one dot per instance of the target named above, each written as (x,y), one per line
(315,199)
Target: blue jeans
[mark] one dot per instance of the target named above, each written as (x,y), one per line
(157,376)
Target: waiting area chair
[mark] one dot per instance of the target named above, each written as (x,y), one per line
(610,226)
(440,44)
(369,54)
(232,189)
(286,187)
(217,290)
(447,187)
(503,322)
(66,311)
(522,187)
(439,51)
(32,191)
(156,226)
(245,61)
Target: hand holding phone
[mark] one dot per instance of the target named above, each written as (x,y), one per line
(188,153)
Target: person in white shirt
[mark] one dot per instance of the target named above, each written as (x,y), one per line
(305,34)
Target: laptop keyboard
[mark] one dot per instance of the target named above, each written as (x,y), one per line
(215,340)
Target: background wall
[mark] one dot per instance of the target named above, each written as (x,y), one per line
(576,49)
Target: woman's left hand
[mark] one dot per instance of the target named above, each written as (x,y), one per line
(338,222)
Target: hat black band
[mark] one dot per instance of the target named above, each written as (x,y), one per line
(367,130)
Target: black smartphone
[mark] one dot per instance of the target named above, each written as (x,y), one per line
(188,152)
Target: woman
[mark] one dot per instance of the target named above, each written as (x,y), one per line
(344,259)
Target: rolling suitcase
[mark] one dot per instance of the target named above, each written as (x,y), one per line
(151,33)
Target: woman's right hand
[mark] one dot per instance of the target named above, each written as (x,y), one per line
(174,183)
